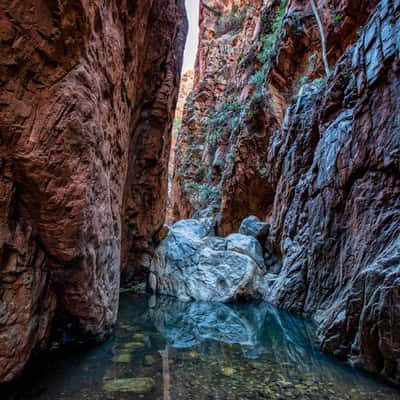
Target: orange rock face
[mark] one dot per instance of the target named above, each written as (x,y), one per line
(266,133)
(87,94)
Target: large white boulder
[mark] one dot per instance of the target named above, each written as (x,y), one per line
(248,245)
(190,266)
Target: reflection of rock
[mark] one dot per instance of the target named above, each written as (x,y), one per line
(184,325)
(257,328)
(187,265)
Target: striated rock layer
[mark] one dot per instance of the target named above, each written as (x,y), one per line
(316,157)
(87,98)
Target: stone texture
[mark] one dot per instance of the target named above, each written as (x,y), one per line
(336,215)
(318,159)
(87,97)
(191,266)
(247,245)
(252,226)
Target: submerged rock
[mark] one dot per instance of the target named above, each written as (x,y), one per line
(186,267)
(133,345)
(228,371)
(130,385)
(124,357)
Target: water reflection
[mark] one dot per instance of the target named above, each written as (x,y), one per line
(257,328)
(166,349)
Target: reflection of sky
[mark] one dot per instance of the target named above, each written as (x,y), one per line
(192,7)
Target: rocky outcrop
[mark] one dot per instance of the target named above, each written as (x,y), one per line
(316,157)
(192,266)
(87,94)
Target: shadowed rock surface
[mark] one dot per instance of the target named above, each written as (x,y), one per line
(87,97)
(265,133)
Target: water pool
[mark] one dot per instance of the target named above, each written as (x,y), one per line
(169,350)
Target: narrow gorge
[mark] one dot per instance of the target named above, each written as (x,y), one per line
(232,227)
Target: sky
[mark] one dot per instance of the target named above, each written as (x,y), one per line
(192,7)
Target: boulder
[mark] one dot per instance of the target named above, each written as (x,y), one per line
(191,227)
(187,267)
(252,226)
(247,245)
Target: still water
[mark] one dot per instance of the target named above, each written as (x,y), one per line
(168,350)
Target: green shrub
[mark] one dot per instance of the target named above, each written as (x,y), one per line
(263,171)
(231,154)
(208,191)
(214,136)
(258,78)
(268,41)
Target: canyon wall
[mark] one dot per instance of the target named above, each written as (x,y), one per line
(266,132)
(87,98)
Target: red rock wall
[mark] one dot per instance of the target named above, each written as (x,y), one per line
(227,33)
(87,97)
(318,158)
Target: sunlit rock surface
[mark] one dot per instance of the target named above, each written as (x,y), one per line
(191,266)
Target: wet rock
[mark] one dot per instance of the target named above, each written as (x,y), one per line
(130,385)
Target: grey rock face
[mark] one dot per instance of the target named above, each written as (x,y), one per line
(246,245)
(336,219)
(212,269)
(252,226)
(191,227)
